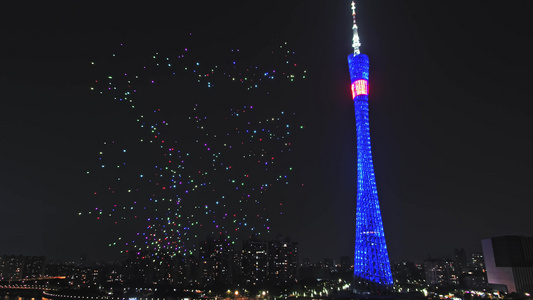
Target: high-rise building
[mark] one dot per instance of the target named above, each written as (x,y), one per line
(216,262)
(33,266)
(254,262)
(11,267)
(477,262)
(282,261)
(139,268)
(189,271)
(371,263)
(509,262)
(461,263)
(345,263)
(440,272)
(58,268)
(408,273)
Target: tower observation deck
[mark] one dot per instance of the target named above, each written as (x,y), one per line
(371,260)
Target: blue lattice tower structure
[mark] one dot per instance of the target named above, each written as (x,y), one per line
(371,260)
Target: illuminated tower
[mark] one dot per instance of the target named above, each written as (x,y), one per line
(371,260)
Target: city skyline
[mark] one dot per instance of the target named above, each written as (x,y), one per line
(450,115)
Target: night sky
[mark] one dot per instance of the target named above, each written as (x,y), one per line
(450,117)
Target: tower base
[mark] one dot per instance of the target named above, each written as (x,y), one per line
(364,286)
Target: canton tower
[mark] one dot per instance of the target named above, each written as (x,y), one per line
(371,260)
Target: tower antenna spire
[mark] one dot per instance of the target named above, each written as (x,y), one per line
(355,42)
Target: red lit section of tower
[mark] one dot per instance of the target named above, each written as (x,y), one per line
(359,87)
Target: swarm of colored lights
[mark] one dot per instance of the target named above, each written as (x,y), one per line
(201,165)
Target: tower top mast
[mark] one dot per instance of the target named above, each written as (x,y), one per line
(355,42)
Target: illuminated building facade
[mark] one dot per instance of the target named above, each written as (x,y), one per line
(255,262)
(11,267)
(371,263)
(282,262)
(440,272)
(14,267)
(216,262)
(509,262)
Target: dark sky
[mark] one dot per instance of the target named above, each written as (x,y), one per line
(450,115)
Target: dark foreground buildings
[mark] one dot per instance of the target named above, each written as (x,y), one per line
(16,267)
(259,264)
